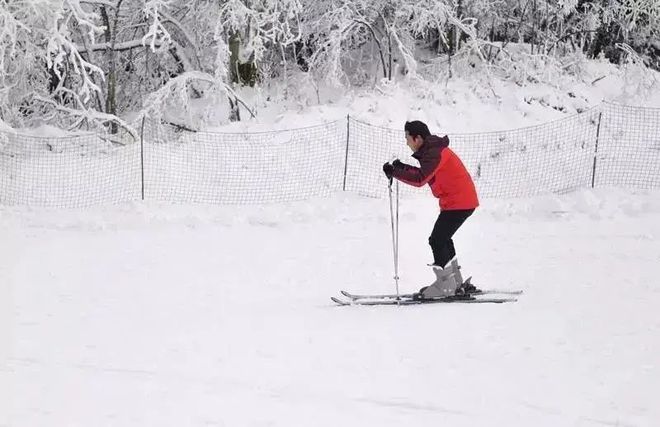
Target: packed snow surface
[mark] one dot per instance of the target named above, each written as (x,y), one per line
(161,315)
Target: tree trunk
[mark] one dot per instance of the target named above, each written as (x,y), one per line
(111,74)
(240,72)
(457,34)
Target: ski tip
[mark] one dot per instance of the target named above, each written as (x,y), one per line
(338,301)
(503,300)
(510,292)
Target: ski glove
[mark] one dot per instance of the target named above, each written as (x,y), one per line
(389,170)
(398,164)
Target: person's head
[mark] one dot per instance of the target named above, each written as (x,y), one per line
(416,131)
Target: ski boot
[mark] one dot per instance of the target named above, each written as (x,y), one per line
(444,286)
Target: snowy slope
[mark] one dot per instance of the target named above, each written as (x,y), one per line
(157,315)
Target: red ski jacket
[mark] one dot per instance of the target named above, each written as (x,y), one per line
(441,168)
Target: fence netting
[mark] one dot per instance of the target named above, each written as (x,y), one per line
(611,145)
(555,157)
(68,172)
(628,147)
(242,168)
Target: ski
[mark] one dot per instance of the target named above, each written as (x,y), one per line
(375,296)
(409,296)
(410,301)
(498,291)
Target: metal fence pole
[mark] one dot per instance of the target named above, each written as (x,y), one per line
(593,172)
(348,137)
(142,156)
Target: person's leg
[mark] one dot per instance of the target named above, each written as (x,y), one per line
(448,279)
(440,240)
(449,248)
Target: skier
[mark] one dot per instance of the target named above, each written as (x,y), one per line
(451,183)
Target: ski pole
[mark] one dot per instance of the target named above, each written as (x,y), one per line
(395,234)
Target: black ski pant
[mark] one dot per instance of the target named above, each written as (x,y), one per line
(440,240)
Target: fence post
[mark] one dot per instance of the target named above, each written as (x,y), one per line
(348,137)
(593,172)
(142,156)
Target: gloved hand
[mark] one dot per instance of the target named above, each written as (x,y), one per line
(389,170)
(398,164)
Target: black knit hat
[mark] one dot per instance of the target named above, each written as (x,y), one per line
(417,128)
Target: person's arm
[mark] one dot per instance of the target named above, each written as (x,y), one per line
(410,175)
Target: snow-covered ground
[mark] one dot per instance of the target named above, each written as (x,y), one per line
(159,315)
(148,314)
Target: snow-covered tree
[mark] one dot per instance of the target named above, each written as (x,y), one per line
(23,69)
(88,63)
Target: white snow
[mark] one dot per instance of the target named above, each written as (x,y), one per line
(149,314)
(159,315)
(465,103)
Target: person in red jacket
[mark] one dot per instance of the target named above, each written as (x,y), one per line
(450,182)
